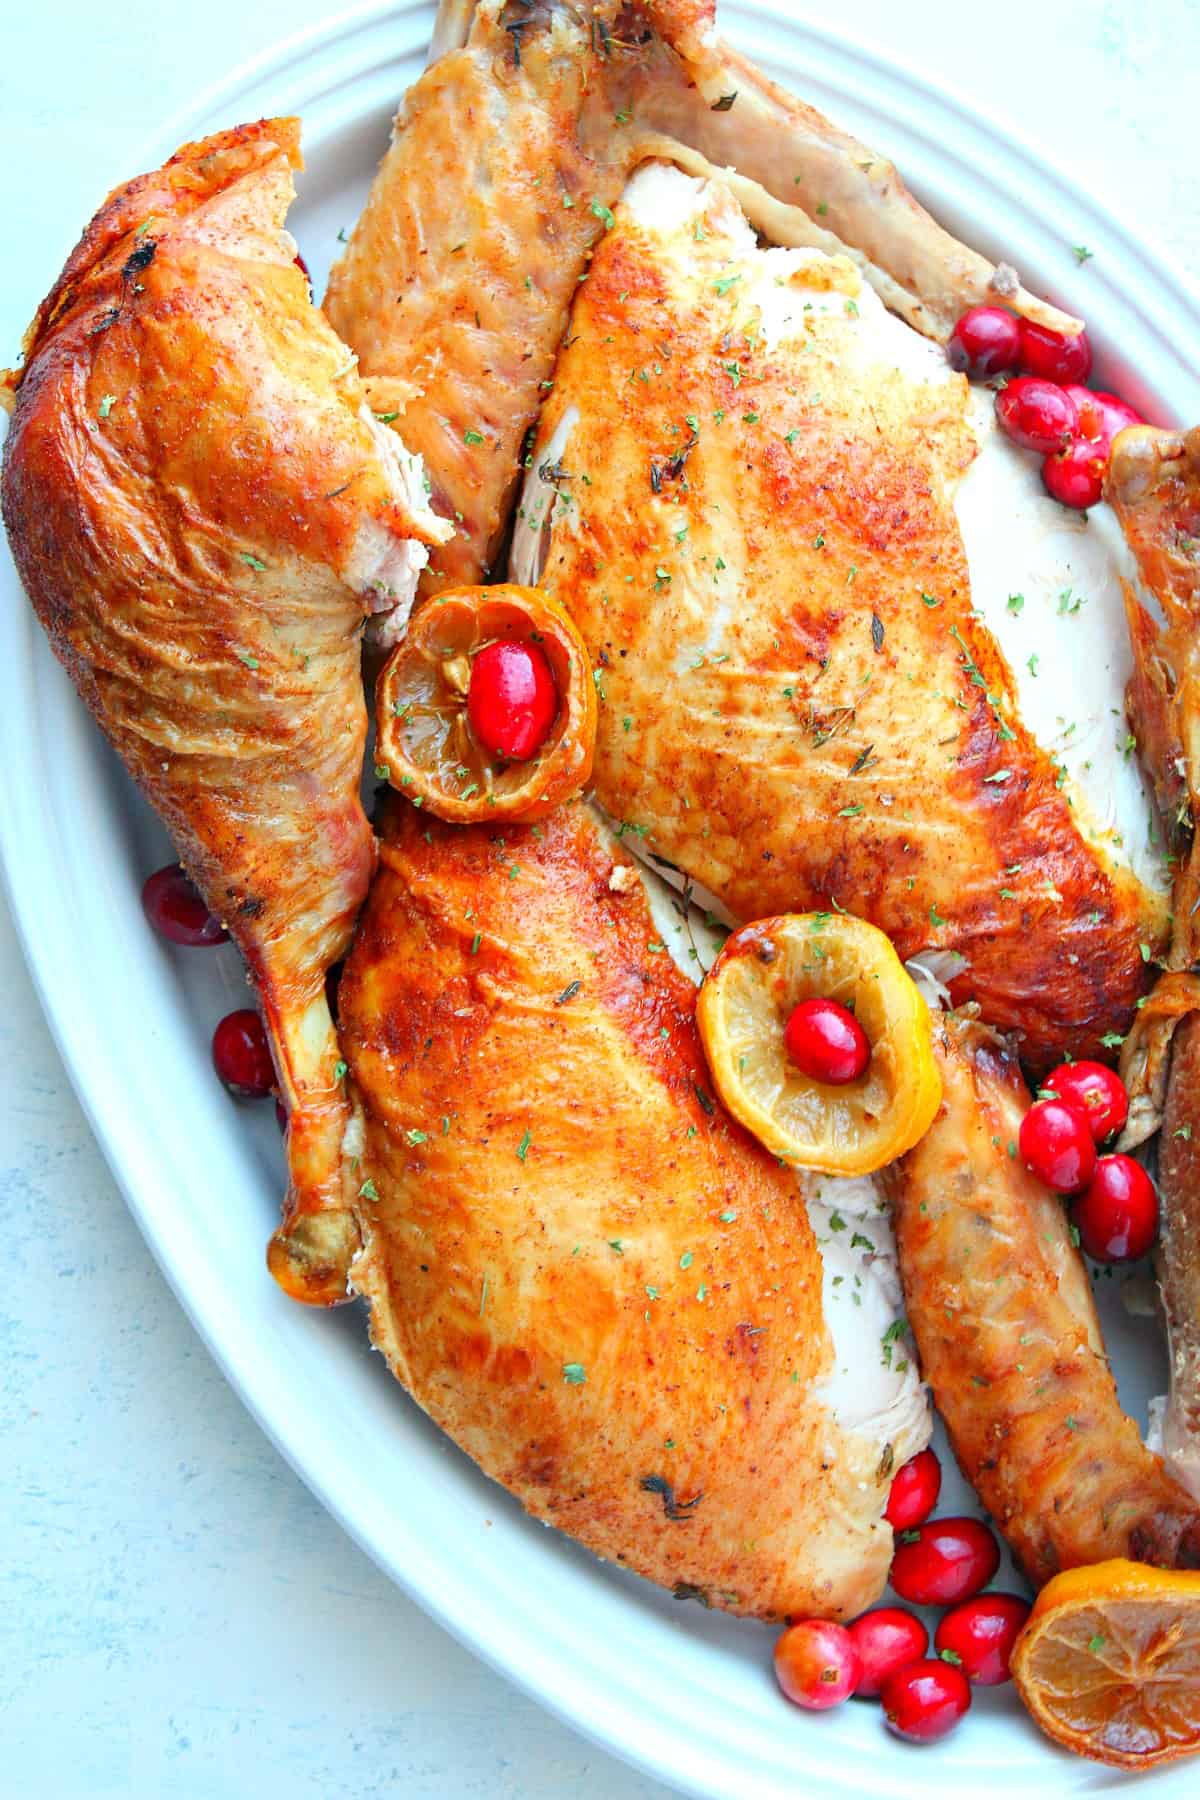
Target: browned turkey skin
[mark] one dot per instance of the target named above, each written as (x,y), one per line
(577,1263)
(455,292)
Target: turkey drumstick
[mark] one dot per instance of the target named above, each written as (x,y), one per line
(202,508)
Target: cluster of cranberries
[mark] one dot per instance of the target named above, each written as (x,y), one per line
(884,1655)
(1044,406)
(240,1052)
(1115,1206)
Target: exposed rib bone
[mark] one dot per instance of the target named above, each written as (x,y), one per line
(451,28)
(800,158)
(783,223)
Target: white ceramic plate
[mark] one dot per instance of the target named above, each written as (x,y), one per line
(683,1693)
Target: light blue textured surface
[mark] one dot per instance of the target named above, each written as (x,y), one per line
(178,1618)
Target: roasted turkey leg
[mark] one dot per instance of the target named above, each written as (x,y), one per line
(201,509)
(1153,485)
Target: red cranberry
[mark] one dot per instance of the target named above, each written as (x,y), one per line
(915,1489)
(1116,1216)
(979,1635)
(1056,1145)
(986,341)
(817,1664)
(886,1640)
(241,1055)
(1050,353)
(304,270)
(944,1561)
(1037,414)
(1093,1090)
(926,1700)
(1076,476)
(173,906)
(826,1041)
(1101,415)
(512,701)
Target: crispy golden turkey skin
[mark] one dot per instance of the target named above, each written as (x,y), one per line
(576,1263)
(743,489)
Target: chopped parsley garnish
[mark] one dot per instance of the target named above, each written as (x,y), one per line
(575,1374)
(890,1339)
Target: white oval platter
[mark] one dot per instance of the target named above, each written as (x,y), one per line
(684,1694)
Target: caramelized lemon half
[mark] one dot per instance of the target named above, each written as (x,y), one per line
(424,740)
(764,971)
(1109,1663)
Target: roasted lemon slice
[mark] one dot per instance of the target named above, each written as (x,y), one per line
(426,744)
(1109,1663)
(763,973)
